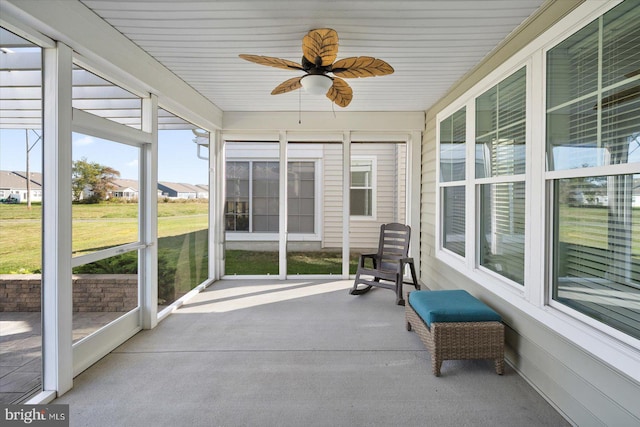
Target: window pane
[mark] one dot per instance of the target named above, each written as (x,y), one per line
(361,186)
(621,124)
(105,188)
(597,248)
(301,195)
(237,196)
(183,208)
(103,291)
(361,173)
(502,229)
(452,147)
(620,43)
(572,67)
(266,181)
(588,124)
(572,140)
(500,128)
(453,219)
(361,202)
(21,185)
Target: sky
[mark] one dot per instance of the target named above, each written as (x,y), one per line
(177,155)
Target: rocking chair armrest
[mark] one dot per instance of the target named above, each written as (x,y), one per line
(369,255)
(363,257)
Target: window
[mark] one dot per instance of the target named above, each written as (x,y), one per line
(237,206)
(301,197)
(183,207)
(452,175)
(266,196)
(252,198)
(362,187)
(21,228)
(593,157)
(500,166)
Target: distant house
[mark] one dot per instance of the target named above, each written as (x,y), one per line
(204,191)
(125,189)
(15,182)
(182,191)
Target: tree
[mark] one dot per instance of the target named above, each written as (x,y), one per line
(92,177)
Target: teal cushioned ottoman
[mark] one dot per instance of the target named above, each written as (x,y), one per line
(451,306)
(453,324)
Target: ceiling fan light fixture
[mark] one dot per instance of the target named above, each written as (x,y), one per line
(319,52)
(316,84)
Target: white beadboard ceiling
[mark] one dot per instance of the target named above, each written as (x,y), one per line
(431,44)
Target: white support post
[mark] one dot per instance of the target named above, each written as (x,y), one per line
(217,190)
(346,202)
(283,207)
(148,280)
(57,302)
(413,177)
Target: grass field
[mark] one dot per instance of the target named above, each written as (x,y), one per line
(264,262)
(110,224)
(94,227)
(181,240)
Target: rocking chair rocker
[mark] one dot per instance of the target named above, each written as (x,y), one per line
(388,263)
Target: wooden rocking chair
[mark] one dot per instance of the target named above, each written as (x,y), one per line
(388,263)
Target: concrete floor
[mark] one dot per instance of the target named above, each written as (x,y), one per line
(21,350)
(294,353)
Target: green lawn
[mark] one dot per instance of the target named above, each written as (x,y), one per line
(182,242)
(265,262)
(95,226)
(179,228)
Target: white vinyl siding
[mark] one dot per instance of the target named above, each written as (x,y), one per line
(332,196)
(390,181)
(389,185)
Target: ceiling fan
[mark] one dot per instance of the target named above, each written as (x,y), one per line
(319,51)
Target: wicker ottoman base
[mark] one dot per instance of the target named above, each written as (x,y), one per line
(459,340)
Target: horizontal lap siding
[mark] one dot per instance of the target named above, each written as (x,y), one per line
(332,196)
(428,205)
(390,185)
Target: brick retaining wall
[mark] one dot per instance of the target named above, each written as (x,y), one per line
(91,292)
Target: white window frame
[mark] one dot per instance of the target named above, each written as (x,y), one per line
(93,347)
(448,255)
(594,337)
(478,182)
(233,236)
(374,187)
(551,176)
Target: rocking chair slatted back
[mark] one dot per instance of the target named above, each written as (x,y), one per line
(388,263)
(393,245)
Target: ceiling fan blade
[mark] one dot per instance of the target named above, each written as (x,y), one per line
(361,66)
(287,86)
(272,62)
(340,92)
(320,46)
